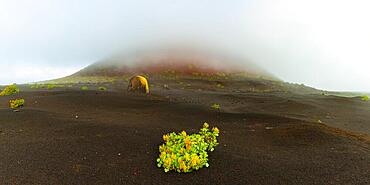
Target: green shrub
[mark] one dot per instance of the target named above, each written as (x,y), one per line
(365,98)
(220,86)
(51,86)
(84,88)
(34,86)
(9,90)
(186,153)
(102,88)
(216,106)
(16,103)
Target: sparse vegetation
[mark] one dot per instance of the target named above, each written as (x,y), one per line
(37,86)
(101,88)
(47,86)
(84,88)
(52,86)
(16,103)
(9,90)
(185,153)
(83,79)
(365,98)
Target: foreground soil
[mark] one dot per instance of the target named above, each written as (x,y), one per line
(68,136)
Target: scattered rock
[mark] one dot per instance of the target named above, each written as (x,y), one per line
(269,128)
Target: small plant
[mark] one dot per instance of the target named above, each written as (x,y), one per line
(16,103)
(50,86)
(365,98)
(9,90)
(216,106)
(185,153)
(84,88)
(102,88)
(220,86)
(34,86)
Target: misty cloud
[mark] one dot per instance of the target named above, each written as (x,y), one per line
(324,43)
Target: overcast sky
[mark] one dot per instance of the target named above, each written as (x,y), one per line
(321,43)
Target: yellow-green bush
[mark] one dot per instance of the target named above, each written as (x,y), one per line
(220,86)
(216,106)
(84,88)
(9,90)
(185,153)
(102,88)
(51,86)
(35,86)
(16,103)
(365,98)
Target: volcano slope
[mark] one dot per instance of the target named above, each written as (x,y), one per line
(271,132)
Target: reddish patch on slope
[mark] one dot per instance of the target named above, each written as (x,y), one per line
(174,63)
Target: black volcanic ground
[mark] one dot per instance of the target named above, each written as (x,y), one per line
(271,133)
